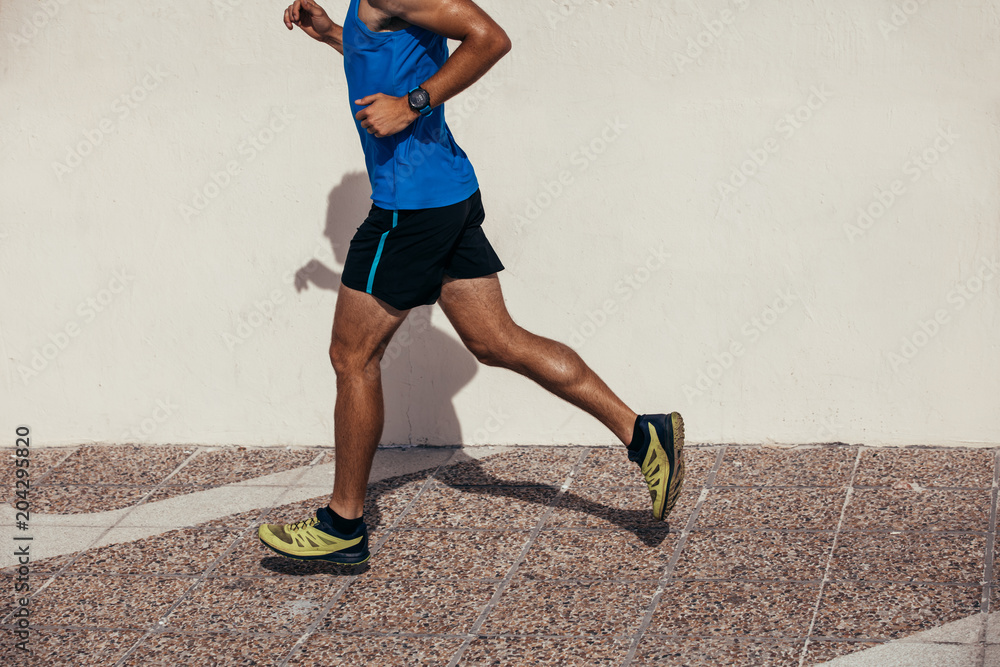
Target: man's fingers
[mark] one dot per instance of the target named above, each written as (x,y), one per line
(365,101)
(288,19)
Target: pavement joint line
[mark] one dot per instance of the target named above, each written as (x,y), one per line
(55,466)
(160,623)
(829,558)
(240,632)
(668,571)
(183,464)
(350,579)
(80,553)
(327,575)
(494,600)
(988,557)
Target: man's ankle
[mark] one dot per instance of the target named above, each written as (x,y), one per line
(339,523)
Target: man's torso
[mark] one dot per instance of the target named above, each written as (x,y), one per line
(422,166)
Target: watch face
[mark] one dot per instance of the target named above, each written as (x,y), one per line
(419,98)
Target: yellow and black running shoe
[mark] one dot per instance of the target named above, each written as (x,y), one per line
(658,447)
(315,539)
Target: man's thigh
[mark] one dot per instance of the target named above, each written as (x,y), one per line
(475,307)
(363,324)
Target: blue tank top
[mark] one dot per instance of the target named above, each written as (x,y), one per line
(422,166)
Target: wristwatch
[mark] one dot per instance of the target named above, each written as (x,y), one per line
(420,101)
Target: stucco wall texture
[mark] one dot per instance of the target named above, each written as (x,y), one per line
(777,217)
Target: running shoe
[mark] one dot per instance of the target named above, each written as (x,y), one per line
(315,539)
(661,458)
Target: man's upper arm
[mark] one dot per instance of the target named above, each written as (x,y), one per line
(454,19)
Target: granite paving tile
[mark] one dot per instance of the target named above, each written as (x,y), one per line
(522,467)
(44,566)
(41,462)
(875,610)
(106,601)
(323,650)
(787,509)
(238,522)
(628,508)
(734,608)
(65,646)
(387,500)
(995,607)
(570,608)
(763,466)
(10,594)
(414,606)
(909,557)
(447,554)
(175,490)
(605,467)
(769,555)
(184,551)
(120,464)
(53,498)
(701,652)
(890,509)
(993,620)
(275,604)
(820,650)
(926,467)
(240,464)
(515,507)
(529,651)
(250,558)
(599,554)
(210,649)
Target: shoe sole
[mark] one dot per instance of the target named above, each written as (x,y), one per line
(677,476)
(330,558)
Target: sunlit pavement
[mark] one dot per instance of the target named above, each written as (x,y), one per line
(508,556)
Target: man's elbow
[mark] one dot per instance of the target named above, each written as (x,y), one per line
(499,43)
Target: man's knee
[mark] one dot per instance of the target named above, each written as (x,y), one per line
(500,349)
(348,360)
(485,353)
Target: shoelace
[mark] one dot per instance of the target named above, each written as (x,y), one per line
(307,523)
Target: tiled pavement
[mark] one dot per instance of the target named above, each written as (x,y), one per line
(532,556)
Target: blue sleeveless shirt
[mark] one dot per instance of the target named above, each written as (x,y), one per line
(422,166)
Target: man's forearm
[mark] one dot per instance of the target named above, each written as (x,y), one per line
(470,61)
(335,38)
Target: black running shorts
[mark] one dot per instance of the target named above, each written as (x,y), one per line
(402,256)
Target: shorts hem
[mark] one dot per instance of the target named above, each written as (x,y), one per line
(473,274)
(387,298)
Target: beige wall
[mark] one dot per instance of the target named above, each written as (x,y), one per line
(780,218)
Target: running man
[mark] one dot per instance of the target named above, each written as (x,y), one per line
(422,243)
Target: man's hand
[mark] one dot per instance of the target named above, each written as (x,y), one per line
(384,115)
(314,21)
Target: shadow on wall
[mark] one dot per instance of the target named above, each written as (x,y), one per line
(423,368)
